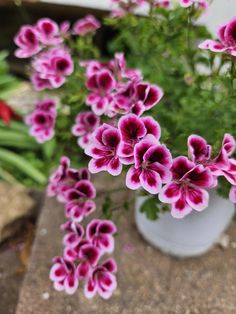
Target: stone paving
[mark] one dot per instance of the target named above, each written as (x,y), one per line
(148,281)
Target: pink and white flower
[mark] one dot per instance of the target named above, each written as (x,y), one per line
(227,39)
(28,42)
(149,95)
(87,25)
(42,121)
(48,32)
(75,235)
(151,167)
(222,164)
(52,67)
(65,178)
(102,280)
(100,233)
(78,200)
(202,4)
(166,4)
(85,124)
(187,190)
(132,130)
(103,150)
(88,256)
(101,85)
(63,275)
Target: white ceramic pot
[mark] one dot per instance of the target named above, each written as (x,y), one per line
(191,236)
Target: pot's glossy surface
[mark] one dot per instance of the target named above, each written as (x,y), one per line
(191,236)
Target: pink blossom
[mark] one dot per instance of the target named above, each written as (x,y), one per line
(71,253)
(78,200)
(75,235)
(48,32)
(227,39)
(85,124)
(88,256)
(151,167)
(166,4)
(103,151)
(63,275)
(119,67)
(39,83)
(27,41)
(65,178)
(64,27)
(126,6)
(187,191)
(102,280)
(52,67)
(86,25)
(148,94)
(222,164)
(42,120)
(100,233)
(100,84)
(202,4)
(132,130)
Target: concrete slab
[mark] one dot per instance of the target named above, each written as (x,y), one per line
(148,281)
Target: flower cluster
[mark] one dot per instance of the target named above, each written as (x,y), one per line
(42,120)
(183,182)
(115,89)
(85,124)
(83,248)
(227,39)
(201,4)
(45,42)
(190,178)
(51,68)
(128,6)
(89,24)
(134,142)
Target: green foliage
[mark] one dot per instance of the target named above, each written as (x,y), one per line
(22,165)
(152,207)
(164,46)
(7,81)
(199,86)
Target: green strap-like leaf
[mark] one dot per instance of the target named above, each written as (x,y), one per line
(17,139)
(17,161)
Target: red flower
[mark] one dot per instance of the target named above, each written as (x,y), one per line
(7,113)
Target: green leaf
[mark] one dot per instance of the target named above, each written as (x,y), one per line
(22,165)
(12,138)
(150,208)
(15,125)
(49,148)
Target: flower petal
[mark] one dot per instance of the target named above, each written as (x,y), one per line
(71,284)
(114,167)
(198,199)
(170,193)
(150,181)
(133,178)
(90,288)
(198,148)
(180,208)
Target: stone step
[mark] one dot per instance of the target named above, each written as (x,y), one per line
(148,281)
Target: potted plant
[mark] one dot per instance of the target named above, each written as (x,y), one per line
(174,142)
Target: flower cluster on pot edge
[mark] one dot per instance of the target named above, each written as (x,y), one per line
(127,139)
